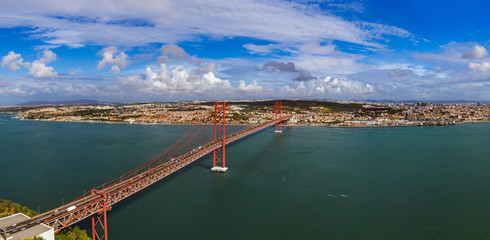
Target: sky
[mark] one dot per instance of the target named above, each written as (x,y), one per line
(172,50)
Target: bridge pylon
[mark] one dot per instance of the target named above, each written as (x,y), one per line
(100,221)
(278,108)
(219,156)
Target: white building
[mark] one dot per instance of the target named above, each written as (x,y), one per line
(40,230)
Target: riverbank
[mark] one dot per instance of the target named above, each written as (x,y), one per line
(305,113)
(347,124)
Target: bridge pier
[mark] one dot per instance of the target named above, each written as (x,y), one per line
(101,219)
(278,107)
(217,159)
(219,169)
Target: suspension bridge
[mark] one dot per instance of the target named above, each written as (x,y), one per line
(99,200)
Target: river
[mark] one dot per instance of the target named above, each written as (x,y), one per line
(307,183)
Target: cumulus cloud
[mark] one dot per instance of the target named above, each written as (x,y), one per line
(327,88)
(37,69)
(13,61)
(3,83)
(205,68)
(111,58)
(253,87)
(179,81)
(340,85)
(477,52)
(400,72)
(484,66)
(48,56)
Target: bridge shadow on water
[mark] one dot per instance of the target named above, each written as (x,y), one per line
(268,146)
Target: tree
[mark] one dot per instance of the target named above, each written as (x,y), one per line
(34,238)
(72,234)
(8,208)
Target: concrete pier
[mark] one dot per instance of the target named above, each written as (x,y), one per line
(219,169)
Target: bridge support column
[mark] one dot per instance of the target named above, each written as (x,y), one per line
(278,108)
(219,156)
(100,219)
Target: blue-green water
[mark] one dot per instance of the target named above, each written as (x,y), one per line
(308,183)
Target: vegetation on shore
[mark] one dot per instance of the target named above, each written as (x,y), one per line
(34,238)
(72,234)
(8,208)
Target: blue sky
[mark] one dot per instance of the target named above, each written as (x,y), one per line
(128,51)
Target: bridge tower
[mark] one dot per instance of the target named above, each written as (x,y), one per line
(219,129)
(100,221)
(278,108)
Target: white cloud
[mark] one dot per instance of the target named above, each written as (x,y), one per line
(334,64)
(173,21)
(253,87)
(261,49)
(478,52)
(315,48)
(400,72)
(16,91)
(115,69)
(339,85)
(205,68)
(328,88)
(453,53)
(13,61)
(179,82)
(37,69)
(484,66)
(120,60)
(48,56)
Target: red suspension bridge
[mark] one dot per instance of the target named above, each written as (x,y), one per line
(98,201)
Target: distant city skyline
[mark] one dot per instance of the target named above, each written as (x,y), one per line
(137,51)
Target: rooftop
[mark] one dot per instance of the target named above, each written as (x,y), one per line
(21,234)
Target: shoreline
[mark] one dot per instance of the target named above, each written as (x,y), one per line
(245,125)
